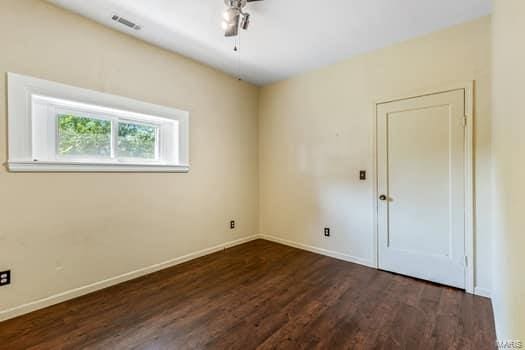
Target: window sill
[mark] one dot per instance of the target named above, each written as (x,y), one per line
(57,167)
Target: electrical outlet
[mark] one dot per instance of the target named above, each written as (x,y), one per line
(232,224)
(327,231)
(5,278)
(362,175)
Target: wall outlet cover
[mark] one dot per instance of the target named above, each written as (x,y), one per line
(5,278)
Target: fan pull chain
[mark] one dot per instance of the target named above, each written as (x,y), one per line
(238,50)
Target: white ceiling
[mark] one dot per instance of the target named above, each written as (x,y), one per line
(286,37)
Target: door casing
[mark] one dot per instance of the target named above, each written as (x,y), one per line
(468,88)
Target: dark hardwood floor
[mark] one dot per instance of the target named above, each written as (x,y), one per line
(266,296)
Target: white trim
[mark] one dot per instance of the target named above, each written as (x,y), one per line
(93,167)
(32,104)
(93,287)
(375,191)
(322,251)
(468,87)
(482,292)
(74,293)
(469,187)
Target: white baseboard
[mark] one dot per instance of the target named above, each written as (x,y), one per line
(483,292)
(330,253)
(74,293)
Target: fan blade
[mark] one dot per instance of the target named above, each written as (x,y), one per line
(253,0)
(233,27)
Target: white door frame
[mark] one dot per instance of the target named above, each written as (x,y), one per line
(468,87)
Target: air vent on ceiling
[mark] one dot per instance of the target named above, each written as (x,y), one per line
(125,22)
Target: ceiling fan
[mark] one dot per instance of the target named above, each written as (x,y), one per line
(234,17)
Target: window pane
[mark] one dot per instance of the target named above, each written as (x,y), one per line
(137,141)
(82,136)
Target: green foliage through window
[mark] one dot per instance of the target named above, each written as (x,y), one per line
(84,136)
(81,136)
(136,141)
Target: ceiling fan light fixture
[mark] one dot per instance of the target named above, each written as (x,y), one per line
(245,22)
(235,18)
(230,14)
(232,28)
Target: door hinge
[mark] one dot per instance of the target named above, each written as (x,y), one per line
(466,260)
(465,121)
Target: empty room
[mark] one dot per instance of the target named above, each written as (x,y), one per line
(262,174)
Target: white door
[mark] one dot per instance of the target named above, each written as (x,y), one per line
(421,187)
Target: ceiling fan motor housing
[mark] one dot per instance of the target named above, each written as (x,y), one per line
(239,4)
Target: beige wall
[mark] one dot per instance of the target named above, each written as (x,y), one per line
(509,169)
(316,134)
(64,231)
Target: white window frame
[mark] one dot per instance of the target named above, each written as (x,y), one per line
(33,106)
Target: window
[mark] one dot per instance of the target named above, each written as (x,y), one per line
(83,136)
(54,127)
(137,141)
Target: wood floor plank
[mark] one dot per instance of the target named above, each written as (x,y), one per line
(261,295)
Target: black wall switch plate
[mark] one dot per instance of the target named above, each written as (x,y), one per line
(327,231)
(5,278)
(362,175)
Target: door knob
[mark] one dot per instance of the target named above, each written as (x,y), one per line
(382,197)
